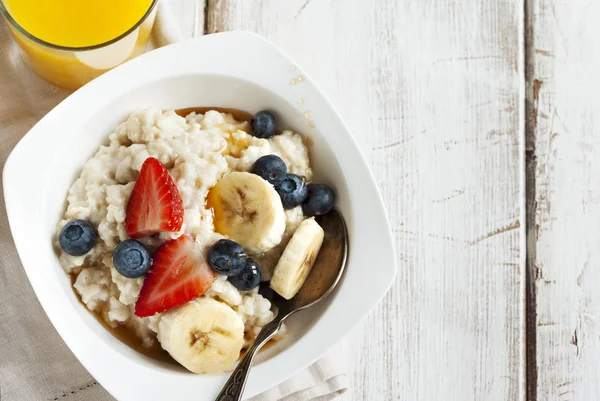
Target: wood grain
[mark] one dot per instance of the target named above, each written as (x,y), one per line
(564,136)
(432,90)
(322,42)
(190,16)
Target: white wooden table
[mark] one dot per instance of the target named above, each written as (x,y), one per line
(481,121)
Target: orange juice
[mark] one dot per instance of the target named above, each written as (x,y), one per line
(77,23)
(69,42)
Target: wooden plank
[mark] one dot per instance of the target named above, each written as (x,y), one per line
(178,20)
(564,136)
(307,32)
(431,89)
(190,15)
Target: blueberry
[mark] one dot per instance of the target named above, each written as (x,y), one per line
(227,257)
(77,237)
(263,124)
(271,168)
(291,190)
(248,278)
(319,201)
(131,259)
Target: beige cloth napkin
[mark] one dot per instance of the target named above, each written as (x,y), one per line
(35,364)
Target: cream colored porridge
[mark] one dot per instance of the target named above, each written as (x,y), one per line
(197,151)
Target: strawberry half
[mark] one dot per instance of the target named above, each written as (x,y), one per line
(155,204)
(179,273)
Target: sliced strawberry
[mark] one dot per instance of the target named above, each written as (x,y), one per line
(155,204)
(179,273)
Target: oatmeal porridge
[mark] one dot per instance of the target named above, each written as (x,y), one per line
(173,224)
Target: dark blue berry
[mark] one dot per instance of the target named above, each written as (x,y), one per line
(292,190)
(227,257)
(248,278)
(270,168)
(77,237)
(263,124)
(131,259)
(319,201)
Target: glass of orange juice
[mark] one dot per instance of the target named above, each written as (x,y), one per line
(70,42)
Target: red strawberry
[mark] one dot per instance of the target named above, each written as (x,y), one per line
(179,273)
(154,204)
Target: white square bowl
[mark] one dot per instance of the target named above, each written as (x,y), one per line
(238,70)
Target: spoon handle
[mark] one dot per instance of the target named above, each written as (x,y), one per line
(234,388)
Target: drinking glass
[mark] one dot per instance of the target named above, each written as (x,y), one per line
(72,67)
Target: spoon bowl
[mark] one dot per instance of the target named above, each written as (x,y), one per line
(322,279)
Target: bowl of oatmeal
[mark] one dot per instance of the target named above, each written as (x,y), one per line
(148,170)
(176,189)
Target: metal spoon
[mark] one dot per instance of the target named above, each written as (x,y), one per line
(323,278)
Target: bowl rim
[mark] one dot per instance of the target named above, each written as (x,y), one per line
(102,88)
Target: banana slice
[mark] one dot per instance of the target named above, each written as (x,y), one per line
(204,335)
(297,259)
(248,210)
